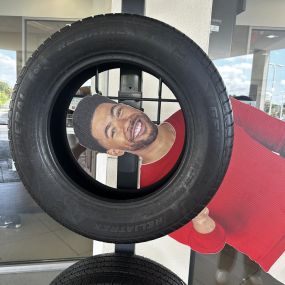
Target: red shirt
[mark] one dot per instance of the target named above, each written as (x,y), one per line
(249,207)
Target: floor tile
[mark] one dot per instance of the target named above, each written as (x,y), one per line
(239,269)
(195,282)
(3,132)
(46,246)
(36,278)
(76,242)
(49,222)
(30,228)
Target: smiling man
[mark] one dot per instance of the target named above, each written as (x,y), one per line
(248,210)
(103,125)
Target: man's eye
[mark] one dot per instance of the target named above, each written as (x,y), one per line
(113,132)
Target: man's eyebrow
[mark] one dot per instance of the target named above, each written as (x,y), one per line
(106,130)
(113,110)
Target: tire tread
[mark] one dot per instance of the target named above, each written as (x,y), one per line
(136,268)
(202,58)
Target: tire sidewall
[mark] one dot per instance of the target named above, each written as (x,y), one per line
(191,187)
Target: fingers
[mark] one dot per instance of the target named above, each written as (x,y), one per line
(205,211)
(202,223)
(203,214)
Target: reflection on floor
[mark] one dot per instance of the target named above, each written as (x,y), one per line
(26,232)
(229,268)
(7,173)
(40,237)
(30,278)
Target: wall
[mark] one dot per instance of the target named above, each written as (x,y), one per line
(186,17)
(54,8)
(10,32)
(192,17)
(271,16)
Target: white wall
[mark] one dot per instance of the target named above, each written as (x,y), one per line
(192,17)
(63,9)
(264,13)
(102,6)
(54,8)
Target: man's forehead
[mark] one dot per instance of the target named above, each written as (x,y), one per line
(104,106)
(101,117)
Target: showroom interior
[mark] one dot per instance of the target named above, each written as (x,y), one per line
(245,39)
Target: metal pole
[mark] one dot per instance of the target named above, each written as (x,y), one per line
(191,267)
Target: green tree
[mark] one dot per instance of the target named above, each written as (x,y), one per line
(5,92)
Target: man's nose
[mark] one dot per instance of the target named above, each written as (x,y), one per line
(121,124)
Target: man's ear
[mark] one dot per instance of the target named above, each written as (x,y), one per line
(115,152)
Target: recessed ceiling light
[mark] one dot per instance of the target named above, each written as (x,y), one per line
(272,36)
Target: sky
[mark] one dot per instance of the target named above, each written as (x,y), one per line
(235,71)
(276,76)
(8,66)
(8,72)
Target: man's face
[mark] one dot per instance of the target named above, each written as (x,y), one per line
(121,127)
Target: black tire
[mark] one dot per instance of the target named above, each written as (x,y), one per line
(117,269)
(38,136)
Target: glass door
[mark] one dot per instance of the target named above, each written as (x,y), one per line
(26,232)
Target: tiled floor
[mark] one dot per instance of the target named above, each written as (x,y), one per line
(229,268)
(32,278)
(39,238)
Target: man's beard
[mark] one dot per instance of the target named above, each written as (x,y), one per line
(152,134)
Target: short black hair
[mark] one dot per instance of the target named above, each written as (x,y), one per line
(82,118)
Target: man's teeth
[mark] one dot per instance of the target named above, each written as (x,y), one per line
(137,129)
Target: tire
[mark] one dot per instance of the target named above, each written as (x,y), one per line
(117,269)
(38,135)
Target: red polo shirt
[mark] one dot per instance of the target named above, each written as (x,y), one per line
(249,207)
